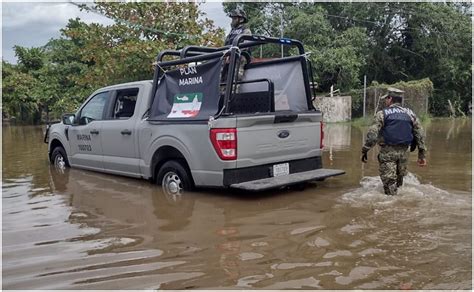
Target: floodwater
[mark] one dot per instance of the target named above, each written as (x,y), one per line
(85,230)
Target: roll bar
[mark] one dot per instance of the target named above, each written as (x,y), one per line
(191,54)
(160,64)
(252,40)
(255,40)
(176,53)
(167,53)
(198,50)
(156,72)
(192,59)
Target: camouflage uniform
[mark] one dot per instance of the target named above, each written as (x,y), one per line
(241,29)
(393,159)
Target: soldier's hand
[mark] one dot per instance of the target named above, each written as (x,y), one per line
(421,162)
(364,157)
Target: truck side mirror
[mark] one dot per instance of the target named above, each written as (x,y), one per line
(69,119)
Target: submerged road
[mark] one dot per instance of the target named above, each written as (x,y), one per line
(85,230)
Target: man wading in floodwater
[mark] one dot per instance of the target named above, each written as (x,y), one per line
(395,128)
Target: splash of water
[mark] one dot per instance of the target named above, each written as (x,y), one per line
(371,192)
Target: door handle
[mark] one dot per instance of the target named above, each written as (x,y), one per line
(126,132)
(94,132)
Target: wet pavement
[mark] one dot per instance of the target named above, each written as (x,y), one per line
(86,230)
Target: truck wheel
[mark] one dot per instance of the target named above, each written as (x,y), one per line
(59,159)
(174,178)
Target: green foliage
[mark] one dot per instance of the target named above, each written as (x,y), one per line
(392,42)
(59,76)
(336,55)
(387,41)
(409,41)
(357,98)
(18,99)
(362,122)
(264,17)
(425,119)
(416,92)
(29,59)
(413,88)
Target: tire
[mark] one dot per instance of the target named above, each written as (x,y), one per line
(59,159)
(174,178)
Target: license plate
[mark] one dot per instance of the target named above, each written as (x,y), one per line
(281,169)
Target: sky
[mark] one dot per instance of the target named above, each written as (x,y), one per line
(33,24)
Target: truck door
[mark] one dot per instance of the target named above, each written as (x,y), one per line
(119,136)
(84,138)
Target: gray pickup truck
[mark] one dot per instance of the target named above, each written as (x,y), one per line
(199,123)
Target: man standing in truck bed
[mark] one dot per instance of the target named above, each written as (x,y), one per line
(238,25)
(395,128)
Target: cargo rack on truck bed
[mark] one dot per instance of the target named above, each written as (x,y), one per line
(258,94)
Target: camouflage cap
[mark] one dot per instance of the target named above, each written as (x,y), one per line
(238,12)
(392,91)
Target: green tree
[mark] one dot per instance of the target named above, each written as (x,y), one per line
(39,83)
(22,98)
(60,75)
(337,55)
(125,51)
(29,59)
(387,41)
(18,100)
(410,41)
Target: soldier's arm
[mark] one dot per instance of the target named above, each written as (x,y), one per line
(419,136)
(373,132)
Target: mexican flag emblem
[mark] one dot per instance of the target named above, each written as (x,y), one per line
(186,105)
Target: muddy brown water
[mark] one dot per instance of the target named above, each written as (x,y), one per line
(86,230)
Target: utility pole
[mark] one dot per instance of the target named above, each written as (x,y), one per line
(281,27)
(376,102)
(365,93)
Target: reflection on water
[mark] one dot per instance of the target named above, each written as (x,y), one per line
(449,154)
(85,230)
(337,136)
(421,227)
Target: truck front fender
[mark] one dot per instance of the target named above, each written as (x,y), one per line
(58,134)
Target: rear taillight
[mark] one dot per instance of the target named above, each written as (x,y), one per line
(225,143)
(322,136)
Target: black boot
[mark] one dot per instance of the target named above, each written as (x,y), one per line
(390,190)
(399,181)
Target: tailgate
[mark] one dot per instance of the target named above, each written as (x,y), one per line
(275,138)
